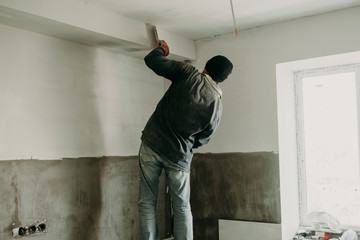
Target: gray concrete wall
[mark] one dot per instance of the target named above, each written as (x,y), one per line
(236,186)
(84,198)
(96,198)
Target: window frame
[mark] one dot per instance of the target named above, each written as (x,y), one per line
(300,144)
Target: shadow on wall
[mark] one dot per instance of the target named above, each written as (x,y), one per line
(83,189)
(86,198)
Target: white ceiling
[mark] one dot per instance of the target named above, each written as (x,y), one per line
(198,19)
(118,25)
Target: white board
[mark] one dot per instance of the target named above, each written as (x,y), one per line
(243,230)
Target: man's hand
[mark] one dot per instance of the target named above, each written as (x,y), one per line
(163,44)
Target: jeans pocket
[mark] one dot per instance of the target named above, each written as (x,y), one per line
(146,154)
(146,157)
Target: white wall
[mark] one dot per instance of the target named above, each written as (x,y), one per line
(249,120)
(62,99)
(232,229)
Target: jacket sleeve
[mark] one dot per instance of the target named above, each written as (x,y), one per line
(162,66)
(204,136)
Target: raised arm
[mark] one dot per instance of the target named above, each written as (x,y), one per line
(156,60)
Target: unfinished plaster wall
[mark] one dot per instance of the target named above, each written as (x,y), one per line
(239,186)
(84,198)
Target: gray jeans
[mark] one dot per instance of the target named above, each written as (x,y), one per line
(150,167)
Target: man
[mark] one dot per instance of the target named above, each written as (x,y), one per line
(185,118)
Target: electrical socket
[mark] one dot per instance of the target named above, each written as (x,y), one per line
(34,228)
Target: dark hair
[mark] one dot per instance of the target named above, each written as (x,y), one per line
(219,68)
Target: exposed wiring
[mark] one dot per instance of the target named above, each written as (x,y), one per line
(233,15)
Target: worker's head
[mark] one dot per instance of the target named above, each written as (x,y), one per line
(218,68)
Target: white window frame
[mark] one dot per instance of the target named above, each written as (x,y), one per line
(289,192)
(298,76)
